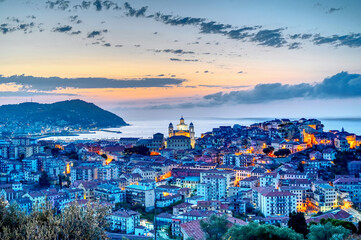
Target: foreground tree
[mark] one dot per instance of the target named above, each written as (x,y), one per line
(214,227)
(335,222)
(298,223)
(327,232)
(75,222)
(255,231)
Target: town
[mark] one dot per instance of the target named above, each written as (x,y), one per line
(164,186)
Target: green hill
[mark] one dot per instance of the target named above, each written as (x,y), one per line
(72,113)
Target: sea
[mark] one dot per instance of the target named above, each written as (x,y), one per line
(146,128)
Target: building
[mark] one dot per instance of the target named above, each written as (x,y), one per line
(277,203)
(184,131)
(142,195)
(300,193)
(213,187)
(85,173)
(108,172)
(354,167)
(350,185)
(155,144)
(179,143)
(109,193)
(324,197)
(146,173)
(124,221)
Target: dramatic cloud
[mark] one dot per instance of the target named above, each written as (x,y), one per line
(63,29)
(341,85)
(350,40)
(265,37)
(31,94)
(53,83)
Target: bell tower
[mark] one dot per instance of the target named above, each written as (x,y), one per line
(170,130)
(192,134)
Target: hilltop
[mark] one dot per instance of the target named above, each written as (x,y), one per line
(74,114)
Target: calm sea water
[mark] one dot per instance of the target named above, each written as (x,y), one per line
(145,129)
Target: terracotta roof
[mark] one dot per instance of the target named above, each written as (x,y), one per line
(183,205)
(338,214)
(193,230)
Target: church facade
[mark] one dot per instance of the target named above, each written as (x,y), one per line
(183,137)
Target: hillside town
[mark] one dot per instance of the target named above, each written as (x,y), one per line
(165,185)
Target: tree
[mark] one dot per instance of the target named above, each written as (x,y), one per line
(327,231)
(359,228)
(300,167)
(214,227)
(266,151)
(282,152)
(335,222)
(75,222)
(55,152)
(21,157)
(257,231)
(44,180)
(104,156)
(142,150)
(298,223)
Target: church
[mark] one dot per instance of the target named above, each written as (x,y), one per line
(181,138)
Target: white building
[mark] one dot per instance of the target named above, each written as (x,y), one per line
(300,193)
(124,221)
(146,173)
(350,185)
(278,203)
(324,197)
(85,173)
(217,187)
(142,195)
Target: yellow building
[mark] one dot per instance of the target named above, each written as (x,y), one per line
(183,130)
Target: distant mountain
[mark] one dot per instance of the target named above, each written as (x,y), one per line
(72,113)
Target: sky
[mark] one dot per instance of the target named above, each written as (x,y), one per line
(161,59)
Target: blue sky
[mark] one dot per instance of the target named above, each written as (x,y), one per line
(201,58)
